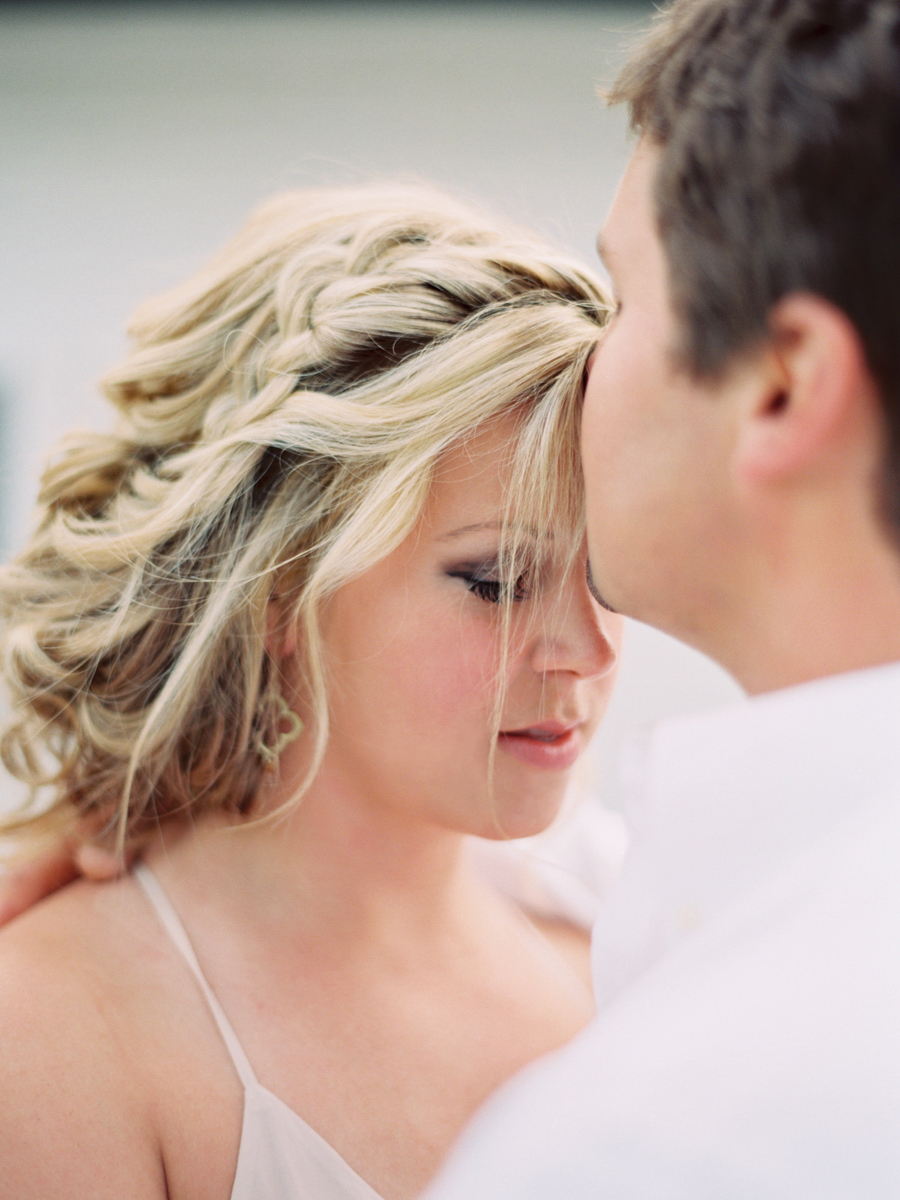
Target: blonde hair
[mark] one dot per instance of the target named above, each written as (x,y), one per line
(280,418)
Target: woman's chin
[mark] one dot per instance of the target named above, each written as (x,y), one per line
(518,820)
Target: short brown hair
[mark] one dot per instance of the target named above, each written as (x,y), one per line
(779,122)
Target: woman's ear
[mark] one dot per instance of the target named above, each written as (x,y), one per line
(813,393)
(281,632)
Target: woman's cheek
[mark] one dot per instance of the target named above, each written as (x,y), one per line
(458,667)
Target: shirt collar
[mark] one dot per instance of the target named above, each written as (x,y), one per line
(719,801)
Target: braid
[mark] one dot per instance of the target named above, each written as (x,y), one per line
(279,419)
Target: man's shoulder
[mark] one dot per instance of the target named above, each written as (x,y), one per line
(795,980)
(759,1057)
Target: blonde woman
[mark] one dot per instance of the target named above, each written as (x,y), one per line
(314,612)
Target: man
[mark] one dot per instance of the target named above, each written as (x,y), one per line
(742,455)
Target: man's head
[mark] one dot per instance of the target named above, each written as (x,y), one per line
(747,395)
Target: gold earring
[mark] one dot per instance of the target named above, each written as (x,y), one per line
(270,754)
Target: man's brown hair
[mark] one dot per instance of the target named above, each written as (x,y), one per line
(779,123)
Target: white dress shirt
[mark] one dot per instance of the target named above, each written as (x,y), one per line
(565,873)
(747,970)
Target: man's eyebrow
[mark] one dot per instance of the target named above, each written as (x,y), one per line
(603,250)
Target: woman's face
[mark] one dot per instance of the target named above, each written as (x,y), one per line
(414,648)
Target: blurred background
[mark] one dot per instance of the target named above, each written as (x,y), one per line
(134,138)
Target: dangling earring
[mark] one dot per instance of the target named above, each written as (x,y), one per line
(270,754)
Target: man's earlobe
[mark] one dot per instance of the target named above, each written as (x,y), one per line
(808,393)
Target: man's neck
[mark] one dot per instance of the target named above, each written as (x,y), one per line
(828,611)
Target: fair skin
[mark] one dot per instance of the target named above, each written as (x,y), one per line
(379,988)
(740,513)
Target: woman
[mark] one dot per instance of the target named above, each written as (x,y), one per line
(313,614)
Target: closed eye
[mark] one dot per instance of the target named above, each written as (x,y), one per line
(491,589)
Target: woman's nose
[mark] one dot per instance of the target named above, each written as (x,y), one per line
(575,635)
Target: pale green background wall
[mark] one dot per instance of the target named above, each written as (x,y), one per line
(134,138)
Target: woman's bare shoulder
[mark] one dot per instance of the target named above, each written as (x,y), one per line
(69,948)
(68,1097)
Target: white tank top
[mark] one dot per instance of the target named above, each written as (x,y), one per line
(280,1156)
(564,873)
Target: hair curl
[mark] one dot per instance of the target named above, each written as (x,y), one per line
(280,417)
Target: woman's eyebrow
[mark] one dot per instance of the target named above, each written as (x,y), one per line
(497,526)
(470,529)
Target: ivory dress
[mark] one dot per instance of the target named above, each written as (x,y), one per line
(564,874)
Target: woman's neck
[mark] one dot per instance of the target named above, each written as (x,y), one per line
(339,869)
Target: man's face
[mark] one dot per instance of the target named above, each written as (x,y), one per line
(656,443)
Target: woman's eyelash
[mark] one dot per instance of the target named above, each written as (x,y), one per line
(494,591)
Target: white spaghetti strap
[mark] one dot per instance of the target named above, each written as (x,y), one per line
(171,922)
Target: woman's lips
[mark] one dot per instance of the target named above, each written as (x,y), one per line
(549,744)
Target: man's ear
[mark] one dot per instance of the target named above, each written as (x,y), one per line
(812,391)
